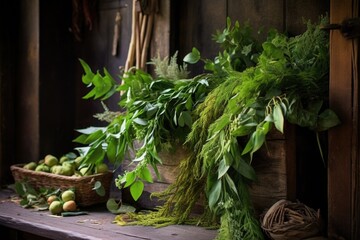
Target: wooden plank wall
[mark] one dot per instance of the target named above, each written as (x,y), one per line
(26,90)
(96,50)
(199,20)
(344,154)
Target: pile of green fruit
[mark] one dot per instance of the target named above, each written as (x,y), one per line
(57,201)
(67,165)
(63,203)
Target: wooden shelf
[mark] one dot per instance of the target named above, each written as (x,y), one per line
(94,226)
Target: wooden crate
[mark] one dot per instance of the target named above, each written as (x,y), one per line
(274,165)
(168,172)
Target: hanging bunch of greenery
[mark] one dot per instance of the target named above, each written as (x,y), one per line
(155,113)
(223,118)
(288,83)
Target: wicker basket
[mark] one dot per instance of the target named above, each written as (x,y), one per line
(287,220)
(85,195)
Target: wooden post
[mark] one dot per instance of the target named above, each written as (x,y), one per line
(27,92)
(343,170)
(160,44)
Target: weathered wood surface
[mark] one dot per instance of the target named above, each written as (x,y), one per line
(343,172)
(94,226)
(270,166)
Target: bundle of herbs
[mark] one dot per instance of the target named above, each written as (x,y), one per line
(248,90)
(155,114)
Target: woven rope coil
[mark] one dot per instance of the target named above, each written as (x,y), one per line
(287,220)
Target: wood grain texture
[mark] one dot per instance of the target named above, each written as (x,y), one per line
(27,93)
(270,167)
(261,14)
(340,142)
(160,43)
(298,11)
(97,225)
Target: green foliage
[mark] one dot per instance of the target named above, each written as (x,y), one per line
(99,189)
(169,69)
(289,83)
(238,220)
(34,198)
(117,207)
(192,57)
(157,113)
(104,86)
(241,48)
(285,82)
(223,117)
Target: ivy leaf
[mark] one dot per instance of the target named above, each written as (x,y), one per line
(231,184)
(151,110)
(256,141)
(278,118)
(272,51)
(214,194)
(111,150)
(19,188)
(90,94)
(223,168)
(89,130)
(327,119)
(89,75)
(242,130)
(146,175)
(130,178)
(81,139)
(315,106)
(245,169)
(192,57)
(136,189)
(117,207)
(94,136)
(249,145)
(209,65)
(181,120)
(99,188)
(221,123)
(259,139)
(102,85)
(95,155)
(247,49)
(189,103)
(140,121)
(185,119)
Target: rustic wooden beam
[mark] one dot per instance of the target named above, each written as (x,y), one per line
(341,138)
(27,88)
(160,44)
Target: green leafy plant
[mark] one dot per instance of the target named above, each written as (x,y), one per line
(223,117)
(34,198)
(289,83)
(117,207)
(156,114)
